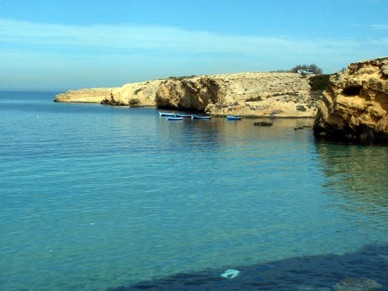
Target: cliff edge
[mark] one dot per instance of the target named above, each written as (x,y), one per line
(92,95)
(246,94)
(355,105)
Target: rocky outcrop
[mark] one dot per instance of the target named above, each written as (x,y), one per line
(132,94)
(194,93)
(139,94)
(246,94)
(357,284)
(93,95)
(355,105)
(265,95)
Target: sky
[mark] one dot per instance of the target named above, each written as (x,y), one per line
(72,44)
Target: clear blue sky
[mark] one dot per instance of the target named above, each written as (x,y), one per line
(71,44)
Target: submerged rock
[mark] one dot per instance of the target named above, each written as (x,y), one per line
(312,288)
(355,105)
(263,123)
(357,284)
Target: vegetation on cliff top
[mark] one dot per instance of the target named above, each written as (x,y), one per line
(181,77)
(314,68)
(319,82)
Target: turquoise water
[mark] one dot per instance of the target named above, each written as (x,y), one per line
(95,197)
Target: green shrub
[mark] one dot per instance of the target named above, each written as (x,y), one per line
(253,99)
(181,77)
(319,82)
(313,67)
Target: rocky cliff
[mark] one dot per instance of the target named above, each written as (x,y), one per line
(247,94)
(355,105)
(134,94)
(93,95)
(263,95)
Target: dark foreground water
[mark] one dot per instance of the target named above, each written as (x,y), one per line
(96,198)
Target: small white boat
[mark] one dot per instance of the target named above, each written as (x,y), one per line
(200,117)
(166,113)
(174,118)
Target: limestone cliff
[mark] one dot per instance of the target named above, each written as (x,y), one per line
(194,93)
(93,95)
(264,94)
(355,105)
(247,94)
(134,94)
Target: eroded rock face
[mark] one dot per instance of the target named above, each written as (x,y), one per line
(247,94)
(93,95)
(134,94)
(194,93)
(355,105)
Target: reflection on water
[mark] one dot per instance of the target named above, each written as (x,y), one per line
(358,175)
(356,170)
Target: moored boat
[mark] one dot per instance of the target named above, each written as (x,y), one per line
(183,115)
(201,117)
(166,113)
(233,117)
(174,118)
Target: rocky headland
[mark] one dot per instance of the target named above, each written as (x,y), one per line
(246,94)
(355,105)
(92,95)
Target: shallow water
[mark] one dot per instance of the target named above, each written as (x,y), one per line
(97,197)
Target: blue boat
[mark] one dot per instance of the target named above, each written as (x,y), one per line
(183,115)
(201,117)
(166,113)
(174,118)
(233,117)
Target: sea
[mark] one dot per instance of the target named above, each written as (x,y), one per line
(95,197)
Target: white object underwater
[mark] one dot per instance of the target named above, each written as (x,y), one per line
(230,274)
